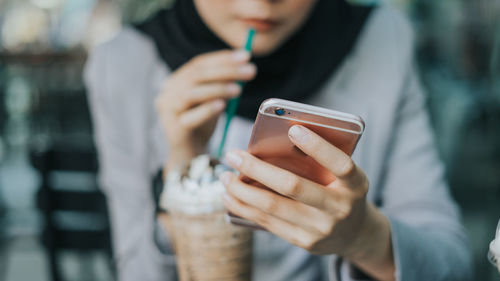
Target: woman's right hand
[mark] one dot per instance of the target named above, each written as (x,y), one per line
(195,95)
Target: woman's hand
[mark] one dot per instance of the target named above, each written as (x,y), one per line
(195,95)
(333,219)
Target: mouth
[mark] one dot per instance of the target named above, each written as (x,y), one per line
(259,24)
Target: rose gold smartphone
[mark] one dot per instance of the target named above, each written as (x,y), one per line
(270,141)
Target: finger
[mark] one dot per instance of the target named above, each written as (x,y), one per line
(280,180)
(185,76)
(207,92)
(223,57)
(329,156)
(289,232)
(214,59)
(201,114)
(173,98)
(215,73)
(196,95)
(273,204)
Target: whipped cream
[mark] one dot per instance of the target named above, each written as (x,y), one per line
(198,191)
(495,248)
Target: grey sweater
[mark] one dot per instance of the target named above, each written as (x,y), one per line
(377,81)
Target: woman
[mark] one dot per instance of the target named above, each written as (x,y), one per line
(157,92)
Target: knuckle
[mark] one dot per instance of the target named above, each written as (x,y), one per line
(179,106)
(364,186)
(344,212)
(246,165)
(327,227)
(233,184)
(260,219)
(309,243)
(230,185)
(292,186)
(361,187)
(324,201)
(270,206)
(214,91)
(296,241)
(233,73)
(348,168)
(220,88)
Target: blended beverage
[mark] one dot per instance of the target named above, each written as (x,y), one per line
(206,245)
(494,253)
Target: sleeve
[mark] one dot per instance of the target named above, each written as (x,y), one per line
(428,240)
(124,178)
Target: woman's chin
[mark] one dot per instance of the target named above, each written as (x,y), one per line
(259,52)
(264,48)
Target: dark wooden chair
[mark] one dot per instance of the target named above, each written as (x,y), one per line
(3,209)
(76,216)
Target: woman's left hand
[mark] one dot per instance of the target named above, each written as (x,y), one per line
(333,219)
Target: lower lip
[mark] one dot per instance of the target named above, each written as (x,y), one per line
(259,25)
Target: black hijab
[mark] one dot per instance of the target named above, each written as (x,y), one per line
(294,72)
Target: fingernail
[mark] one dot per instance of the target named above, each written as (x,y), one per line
(225,178)
(241,56)
(233,89)
(248,69)
(218,105)
(299,134)
(234,159)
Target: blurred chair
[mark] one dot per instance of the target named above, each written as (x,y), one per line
(2,203)
(61,149)
(75,211)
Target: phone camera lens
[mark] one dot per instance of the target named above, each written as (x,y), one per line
(279,111)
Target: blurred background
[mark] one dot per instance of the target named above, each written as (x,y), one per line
(53,219)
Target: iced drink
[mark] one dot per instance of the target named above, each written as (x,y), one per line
(494,253)
(207,247)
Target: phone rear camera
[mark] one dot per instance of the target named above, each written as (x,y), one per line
(279,111)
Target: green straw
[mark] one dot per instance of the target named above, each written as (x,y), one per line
(232,104)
